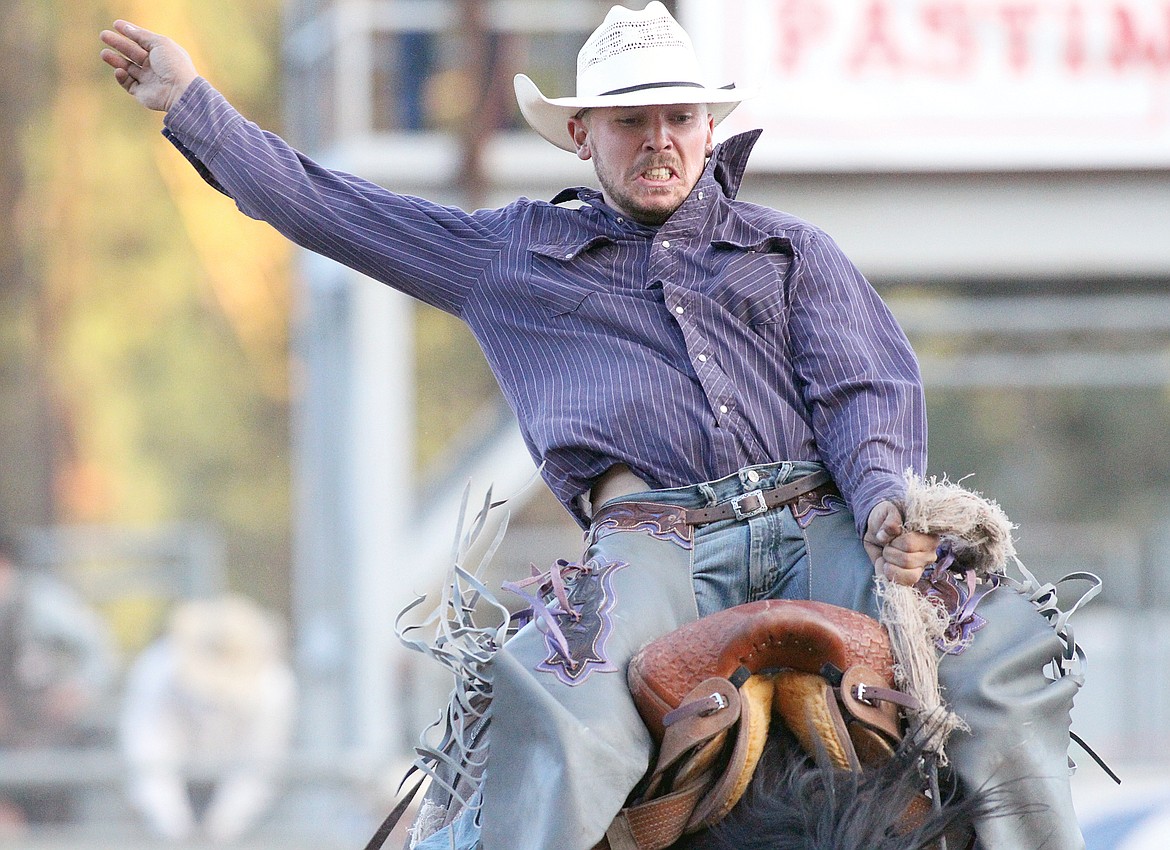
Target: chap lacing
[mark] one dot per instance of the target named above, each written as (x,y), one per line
(1072,660)
(551,585)
(960,594)
(1043,596)
(456,761)
(454,641)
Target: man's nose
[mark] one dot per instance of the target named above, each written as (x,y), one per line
(658,136)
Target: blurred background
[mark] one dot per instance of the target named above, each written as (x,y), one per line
(225,466)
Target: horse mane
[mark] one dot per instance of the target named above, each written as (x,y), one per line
(792,804)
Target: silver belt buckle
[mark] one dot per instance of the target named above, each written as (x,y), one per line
(760,507)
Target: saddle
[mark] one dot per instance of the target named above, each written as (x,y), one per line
(708,692)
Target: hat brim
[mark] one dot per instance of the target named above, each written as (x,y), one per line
(550,116)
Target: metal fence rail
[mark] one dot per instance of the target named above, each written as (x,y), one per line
(324,801)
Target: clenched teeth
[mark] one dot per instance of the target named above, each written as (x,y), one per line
(660,173)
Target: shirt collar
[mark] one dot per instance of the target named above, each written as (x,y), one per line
(729,161)
(591,200)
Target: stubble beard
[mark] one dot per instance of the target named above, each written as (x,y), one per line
(627,202)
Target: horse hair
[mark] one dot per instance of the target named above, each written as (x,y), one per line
(791,804)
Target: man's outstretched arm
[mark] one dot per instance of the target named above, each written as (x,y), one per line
(151,67)
(432,252)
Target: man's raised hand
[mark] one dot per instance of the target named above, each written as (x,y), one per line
(151,67)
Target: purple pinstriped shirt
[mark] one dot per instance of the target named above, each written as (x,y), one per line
(731,335)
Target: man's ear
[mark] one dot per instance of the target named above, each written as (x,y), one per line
(580,135)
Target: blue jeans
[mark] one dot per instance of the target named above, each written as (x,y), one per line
(776,555)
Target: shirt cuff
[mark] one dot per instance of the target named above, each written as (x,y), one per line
(876,488)
(200,121)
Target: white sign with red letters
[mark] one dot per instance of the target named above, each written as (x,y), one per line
(944,84)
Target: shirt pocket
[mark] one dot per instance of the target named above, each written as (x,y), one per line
(561,277)
(752,282)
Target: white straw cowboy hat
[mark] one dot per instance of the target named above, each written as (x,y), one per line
(633,59)
(223,647)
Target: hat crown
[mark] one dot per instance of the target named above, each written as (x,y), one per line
(633,49)
(633,59)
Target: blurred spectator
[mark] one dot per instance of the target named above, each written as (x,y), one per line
(207,720)
(56,665)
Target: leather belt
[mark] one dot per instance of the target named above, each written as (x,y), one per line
(741,507)
(756,502)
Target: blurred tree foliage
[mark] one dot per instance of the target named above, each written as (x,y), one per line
(25,438)
(143,321)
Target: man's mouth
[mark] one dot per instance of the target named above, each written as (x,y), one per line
(658,174)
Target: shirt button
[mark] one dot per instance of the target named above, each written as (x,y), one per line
(621,220)
(569,256)
(700,196)
(680,309)
(702,358)
(665,243)
(723,408)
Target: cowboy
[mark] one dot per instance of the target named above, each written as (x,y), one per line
(711,387)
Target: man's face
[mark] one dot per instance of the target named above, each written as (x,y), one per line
(647,158)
